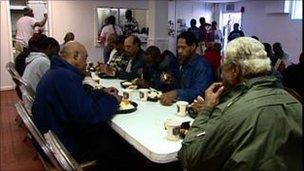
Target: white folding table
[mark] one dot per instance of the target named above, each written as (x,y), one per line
(144,128)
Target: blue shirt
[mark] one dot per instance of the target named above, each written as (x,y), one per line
(63,106)
(168,65)
(196,76)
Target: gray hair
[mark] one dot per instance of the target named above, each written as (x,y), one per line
(249,54)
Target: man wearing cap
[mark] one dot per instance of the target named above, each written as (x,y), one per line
(25,28)
(247,122)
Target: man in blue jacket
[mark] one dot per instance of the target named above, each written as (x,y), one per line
(161,70)
(77,116)
(196,73)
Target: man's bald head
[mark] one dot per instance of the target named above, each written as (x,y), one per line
(75,54)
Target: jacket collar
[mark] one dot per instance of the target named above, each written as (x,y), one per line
(234,94)
(191,62)
(57,62)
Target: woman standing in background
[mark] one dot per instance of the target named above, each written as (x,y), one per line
(107,30)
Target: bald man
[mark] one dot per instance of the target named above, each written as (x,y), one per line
(77,117)
(136,55)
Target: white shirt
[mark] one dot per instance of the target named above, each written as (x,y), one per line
(25,29)
(107,30)
(111,55)
(218,36)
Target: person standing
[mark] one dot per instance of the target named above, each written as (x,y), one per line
(218,37)
(107,30)
(130,24)
(235,33)
(25,28)
(195,30)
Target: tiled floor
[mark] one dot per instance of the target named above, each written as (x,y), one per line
(16,154)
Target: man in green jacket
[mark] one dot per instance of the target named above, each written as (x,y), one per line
(246,122)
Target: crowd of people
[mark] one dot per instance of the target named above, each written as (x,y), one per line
(245,119)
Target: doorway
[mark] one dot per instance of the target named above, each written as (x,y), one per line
(228,20)
(16,12)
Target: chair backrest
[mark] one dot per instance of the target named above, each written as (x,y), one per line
(20,82)
(62,155)
(26,89)
(35,133)
(10,67)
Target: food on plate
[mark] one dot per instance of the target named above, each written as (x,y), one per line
(134,81)
(126,83)
(125,105)
(132,87)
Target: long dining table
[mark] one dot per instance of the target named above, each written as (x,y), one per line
(144,128)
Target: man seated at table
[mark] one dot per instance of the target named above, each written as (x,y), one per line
(118,60)
(247,122)
(196,73)
(135,65)
(38,62)
(161,70)
(78,117)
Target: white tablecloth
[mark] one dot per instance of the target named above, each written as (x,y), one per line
(144,128)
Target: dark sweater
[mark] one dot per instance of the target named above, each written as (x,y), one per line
(63,106)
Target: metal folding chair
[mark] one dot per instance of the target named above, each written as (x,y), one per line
(39,143)
(27,91)
(62,155)
(10,67)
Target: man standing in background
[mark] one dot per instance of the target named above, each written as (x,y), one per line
(130,24)
(25,28)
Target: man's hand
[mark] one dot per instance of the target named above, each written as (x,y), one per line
(111,90)
(167,98)
(142,83)
(212,94)
(166,78)
(114,92)
(198,103)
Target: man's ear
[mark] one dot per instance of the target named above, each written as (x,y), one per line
(193,46)
(237,72)
(75,56)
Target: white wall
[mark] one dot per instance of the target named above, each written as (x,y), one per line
(272,28)
(78,17)
(6,44)
(187,10)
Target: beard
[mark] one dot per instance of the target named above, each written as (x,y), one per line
(227,84)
